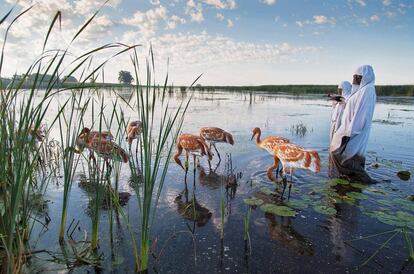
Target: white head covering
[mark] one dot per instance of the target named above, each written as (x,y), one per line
(367,73)
(346,88)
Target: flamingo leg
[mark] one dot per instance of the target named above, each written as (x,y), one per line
(290,184)
(195,164)
(218,154)
(186,164)
(271,168)
(284,184)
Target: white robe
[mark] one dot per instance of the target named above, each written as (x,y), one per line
(338,108)
(357,119)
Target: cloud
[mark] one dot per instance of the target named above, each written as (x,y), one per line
(89,6)
(317,20)
(220,16)
(322,19)
(203,49)
(268,2)
(173,21)
(195,11)
(155,2)
(219,4)
(230,23)
(147,22)
(361,3)
(374,18)
(386,2)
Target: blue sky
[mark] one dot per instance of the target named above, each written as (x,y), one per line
(234,42)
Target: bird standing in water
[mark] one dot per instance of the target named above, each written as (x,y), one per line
(295,157)
(100,143)
(214,135)
(268,143)
(194,145)
(134,129)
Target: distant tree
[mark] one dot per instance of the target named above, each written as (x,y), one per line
(70,79)
(125,77)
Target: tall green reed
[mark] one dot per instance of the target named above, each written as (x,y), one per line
(161,126)
(19,117)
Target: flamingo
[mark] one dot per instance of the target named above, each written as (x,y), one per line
(102,144)
(134,129)
(294,157)
(214,135)
(194,145)
(39,134)
(268,143)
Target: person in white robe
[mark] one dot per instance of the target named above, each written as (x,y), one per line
(344,89)
(350,140)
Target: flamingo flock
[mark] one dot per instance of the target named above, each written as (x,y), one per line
(291,156)
(287,157)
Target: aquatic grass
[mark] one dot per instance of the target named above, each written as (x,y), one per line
(395,232)
(156,151)
(246,222)
(222,210)
(18,118)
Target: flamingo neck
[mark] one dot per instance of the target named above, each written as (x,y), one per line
(258,141)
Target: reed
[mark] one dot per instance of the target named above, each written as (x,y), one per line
(22,110)
(160,128)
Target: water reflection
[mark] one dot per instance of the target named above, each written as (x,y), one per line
(283,232)
(191,209)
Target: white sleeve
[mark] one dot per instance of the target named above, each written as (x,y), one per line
(363,113)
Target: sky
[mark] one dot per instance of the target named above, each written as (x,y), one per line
(230,42)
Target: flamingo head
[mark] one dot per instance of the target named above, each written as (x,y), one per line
(255,131)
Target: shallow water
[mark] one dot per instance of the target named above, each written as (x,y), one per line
(308,242)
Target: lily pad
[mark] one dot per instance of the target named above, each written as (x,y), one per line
(404,175)
(278,210)
(326,210)
(253,201)
(401,219)
(358,185)
(375,190)
(267,191)
(357,195)
(337,181)
(297,204)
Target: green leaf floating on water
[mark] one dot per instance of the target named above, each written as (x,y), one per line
(297,204)
(357,195)
(253,201)
(375,190)
(400,219)
(326,210)
(267,191)
(278,210)
(358,185)
(337,181)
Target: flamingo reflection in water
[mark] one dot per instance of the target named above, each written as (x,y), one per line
(284,233)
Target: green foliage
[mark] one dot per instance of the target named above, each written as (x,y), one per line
(278,210)
(125,77)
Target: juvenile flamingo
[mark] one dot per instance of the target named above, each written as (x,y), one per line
(214,135)
(268,143)
(39,134)
(194,145)
(134,129)
(294,157)
(101,143)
